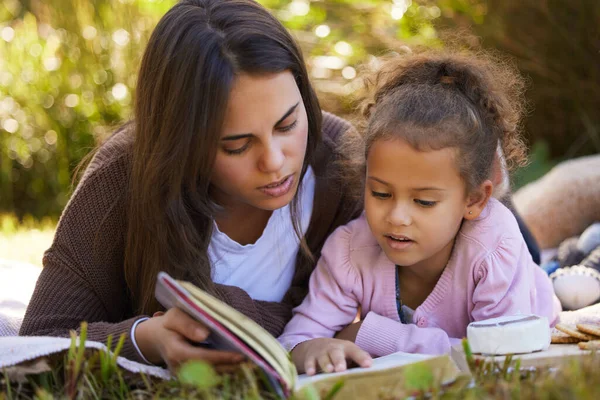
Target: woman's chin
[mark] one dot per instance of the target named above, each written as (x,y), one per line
(276,203)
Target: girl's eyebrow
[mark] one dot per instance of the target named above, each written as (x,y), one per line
(245,135)
(429,188)
(378,180)
(419,189)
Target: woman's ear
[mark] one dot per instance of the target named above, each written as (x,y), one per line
(478,199)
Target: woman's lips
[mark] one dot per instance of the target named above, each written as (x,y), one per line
(280,188)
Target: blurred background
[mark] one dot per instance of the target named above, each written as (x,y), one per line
(68,71)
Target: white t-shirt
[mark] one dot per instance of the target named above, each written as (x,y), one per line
(265,268)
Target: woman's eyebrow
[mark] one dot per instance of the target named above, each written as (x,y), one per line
(246,135)
(237,137)
(287,114)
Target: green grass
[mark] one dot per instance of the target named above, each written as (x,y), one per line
(83,374)
(92,374)
(25,240)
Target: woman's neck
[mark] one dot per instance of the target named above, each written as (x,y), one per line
(245,225)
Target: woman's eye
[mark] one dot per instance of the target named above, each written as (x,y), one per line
(239,150)
(288,127)
(425,203)
(380,195)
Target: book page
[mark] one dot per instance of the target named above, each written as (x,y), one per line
(385,379)
(381,363)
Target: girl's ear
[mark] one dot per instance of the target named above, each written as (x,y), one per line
(478,199)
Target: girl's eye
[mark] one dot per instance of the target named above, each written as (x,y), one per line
(380,195)
(288,127)
(238,151)
(425,203)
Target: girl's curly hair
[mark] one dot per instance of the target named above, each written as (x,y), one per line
(437,99)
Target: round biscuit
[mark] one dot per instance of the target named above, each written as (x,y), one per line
(591,345)
(558,337)
(571,330)
(565,340)
(589,329)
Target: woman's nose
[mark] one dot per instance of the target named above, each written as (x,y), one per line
(272,158)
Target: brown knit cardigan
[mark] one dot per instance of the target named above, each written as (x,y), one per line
(78,284)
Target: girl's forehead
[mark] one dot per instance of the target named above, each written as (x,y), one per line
(399,164)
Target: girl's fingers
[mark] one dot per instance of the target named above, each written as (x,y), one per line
(309,365)
(359,356)
(325,362)
(180,322)
(338,358)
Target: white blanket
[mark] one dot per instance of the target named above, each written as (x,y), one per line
(17,282)
(16,349)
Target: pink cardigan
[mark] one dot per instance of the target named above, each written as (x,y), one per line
(490,273)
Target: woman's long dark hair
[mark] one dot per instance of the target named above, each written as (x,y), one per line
(185,78)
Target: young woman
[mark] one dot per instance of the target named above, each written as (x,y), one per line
(228,163)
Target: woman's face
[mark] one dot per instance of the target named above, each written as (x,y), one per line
(263,143)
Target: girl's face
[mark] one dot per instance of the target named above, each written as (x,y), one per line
(415,202)
(263,143)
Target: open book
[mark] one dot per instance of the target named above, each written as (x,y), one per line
(231,330)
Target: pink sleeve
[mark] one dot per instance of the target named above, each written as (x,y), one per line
(331,303)
(508,282)
(503,283)
(380,336)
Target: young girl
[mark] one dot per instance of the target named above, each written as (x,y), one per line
(432,251)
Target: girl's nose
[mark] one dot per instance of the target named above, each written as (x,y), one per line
(399,215)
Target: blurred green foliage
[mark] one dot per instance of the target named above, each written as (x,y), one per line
(540,163)
(556,45)
(68,70)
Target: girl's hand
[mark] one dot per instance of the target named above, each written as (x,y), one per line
(330,354)
(168,337)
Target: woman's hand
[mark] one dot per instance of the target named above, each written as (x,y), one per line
(330,354)
(168,337)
